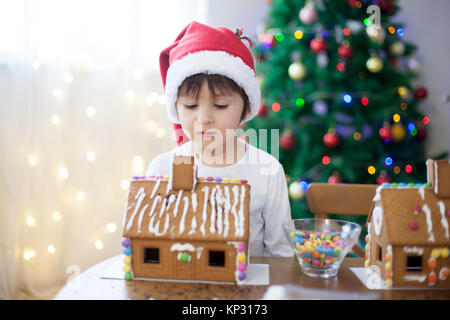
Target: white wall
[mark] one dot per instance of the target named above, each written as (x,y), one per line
(426,24)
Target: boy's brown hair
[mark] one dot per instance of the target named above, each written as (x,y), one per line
(217,84)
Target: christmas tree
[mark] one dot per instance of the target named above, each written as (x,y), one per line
(341,84)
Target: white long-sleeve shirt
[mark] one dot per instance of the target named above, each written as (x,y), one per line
(269,201)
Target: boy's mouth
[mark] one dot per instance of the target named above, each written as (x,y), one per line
(207,133)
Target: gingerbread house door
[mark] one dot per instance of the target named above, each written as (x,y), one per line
(184,265)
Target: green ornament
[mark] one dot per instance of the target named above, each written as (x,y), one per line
(128,276)
(184,257)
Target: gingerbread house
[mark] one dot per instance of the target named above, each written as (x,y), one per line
(186,227)
(408,231)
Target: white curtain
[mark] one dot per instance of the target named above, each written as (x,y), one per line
(81,111)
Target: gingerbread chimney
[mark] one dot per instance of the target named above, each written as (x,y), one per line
(438,175)
(184,173)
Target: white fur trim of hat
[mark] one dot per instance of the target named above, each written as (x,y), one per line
(212,62)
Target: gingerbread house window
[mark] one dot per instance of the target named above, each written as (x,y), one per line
(379,253)
(413,263)
(151,255)
(217,258)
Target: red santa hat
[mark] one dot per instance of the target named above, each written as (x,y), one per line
(203,49)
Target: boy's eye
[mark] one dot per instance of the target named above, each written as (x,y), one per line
(221,106)
(190,106)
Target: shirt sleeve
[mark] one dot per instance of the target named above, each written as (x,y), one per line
(277,210)
(158,166)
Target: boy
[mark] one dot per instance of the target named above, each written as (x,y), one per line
(212,89)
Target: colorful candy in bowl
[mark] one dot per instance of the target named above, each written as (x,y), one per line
(320,245)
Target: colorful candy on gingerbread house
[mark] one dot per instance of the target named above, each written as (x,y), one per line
(408,231)
(186,228)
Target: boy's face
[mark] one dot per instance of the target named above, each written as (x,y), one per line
(208,118)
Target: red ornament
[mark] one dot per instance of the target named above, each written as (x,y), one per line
(287,141)
(317,45)
(417,208)
(345,51)
(383,178)
(421,134)
(385,133)
(335,178)
(386,6)
(420,93)
(393,61)
(262,110)
(331,139)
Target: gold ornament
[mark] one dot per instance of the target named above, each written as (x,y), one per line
(295,191)
(374,64)
(376,34)
(403,92)
(297,71)
(398,132)
(397,48)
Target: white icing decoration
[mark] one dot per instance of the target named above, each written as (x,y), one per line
(227,212)
(124,218)
(170,183)
(172,198)
(163,208)
(141,195)
(183,217)
(444,221)
(377,219)
(436,178)
(182,247)
(415,278)
(199,252)
(220,200)
(427,211)
(195,173)
(233,210)
(194,208)
(422,193)
(377,194)
(417,250)
(141,217)
(194,202)
(151,228)
(241,213)
(193,226)
(212,227)
(175,210)
(205,189)
(155,188)
(166,209)
(219,220)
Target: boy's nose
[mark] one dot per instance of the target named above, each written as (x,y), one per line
(204,115)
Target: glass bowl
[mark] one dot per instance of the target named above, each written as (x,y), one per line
(320,245)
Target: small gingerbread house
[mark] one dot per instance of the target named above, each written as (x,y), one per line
(408,231)
(186,227)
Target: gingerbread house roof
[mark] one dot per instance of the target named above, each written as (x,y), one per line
(413,216)
(211,209)
(416,215)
